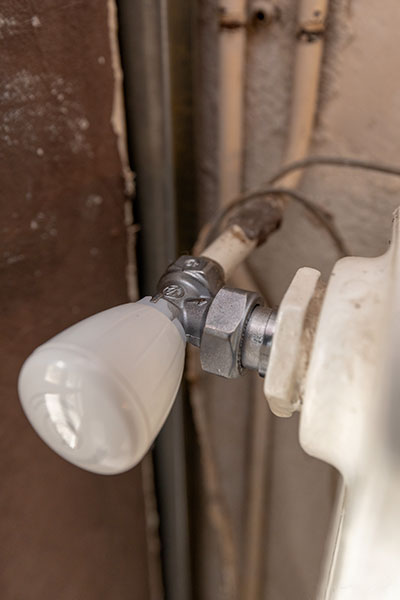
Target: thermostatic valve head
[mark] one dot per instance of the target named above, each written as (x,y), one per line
(91,394)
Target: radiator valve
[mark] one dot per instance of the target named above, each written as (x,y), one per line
(99,392)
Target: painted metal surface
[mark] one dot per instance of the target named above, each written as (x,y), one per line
(349,419)
(281,380)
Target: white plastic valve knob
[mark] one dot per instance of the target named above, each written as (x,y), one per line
(99,392)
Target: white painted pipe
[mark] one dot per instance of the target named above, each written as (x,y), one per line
(306,77)
(230,249)
(232,49)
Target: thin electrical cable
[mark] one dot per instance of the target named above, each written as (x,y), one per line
(311,161)
(335,161)
(311,208)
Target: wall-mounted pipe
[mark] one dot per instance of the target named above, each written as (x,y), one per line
(232,48)
(310,32)
(229,249)
(145,58)
(306,77)
(311,20)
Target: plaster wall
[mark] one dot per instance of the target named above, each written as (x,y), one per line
(358,115)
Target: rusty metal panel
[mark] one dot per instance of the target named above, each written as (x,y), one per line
(65,533)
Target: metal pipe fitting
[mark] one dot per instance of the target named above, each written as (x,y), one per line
(257,339)
(232,327)
(222,340)
(189,286)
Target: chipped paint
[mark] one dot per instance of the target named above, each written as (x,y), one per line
(94,200)
(12,259)
(45,225)
(29,115)
(118,109)
(8,26)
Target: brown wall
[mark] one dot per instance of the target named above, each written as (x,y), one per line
(64,533)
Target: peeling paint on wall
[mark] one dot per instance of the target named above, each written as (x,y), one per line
(41,107)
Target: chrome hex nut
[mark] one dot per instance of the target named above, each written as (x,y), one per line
(221,342)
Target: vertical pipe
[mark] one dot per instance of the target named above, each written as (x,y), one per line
(306,77)
(311,19)
(147,105)
(181,21)
(232,47)
(257,498)
(145,59)
(231,55)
